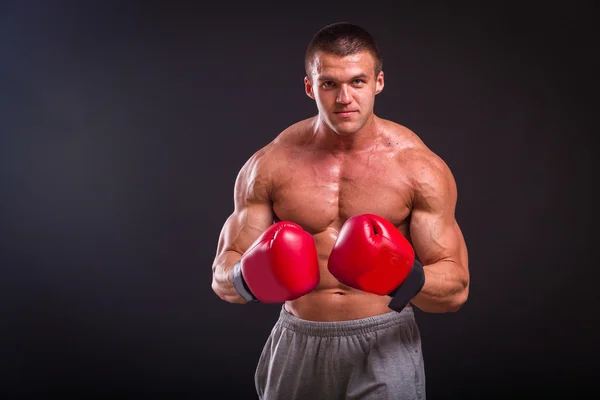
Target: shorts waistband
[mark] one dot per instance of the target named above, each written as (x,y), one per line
(345,328)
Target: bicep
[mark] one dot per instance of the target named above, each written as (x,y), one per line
(253,212)
(434,231)
(244,226)
(435,239)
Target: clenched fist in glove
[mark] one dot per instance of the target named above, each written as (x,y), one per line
(371,255)
(281,265)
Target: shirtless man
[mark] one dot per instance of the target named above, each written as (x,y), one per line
(347,220)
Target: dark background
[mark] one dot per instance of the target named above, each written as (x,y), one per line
(124,125)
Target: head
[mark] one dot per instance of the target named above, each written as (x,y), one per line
(343,76)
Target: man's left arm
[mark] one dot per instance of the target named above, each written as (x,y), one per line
(438,240)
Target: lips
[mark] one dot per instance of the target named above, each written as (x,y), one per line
(345,113)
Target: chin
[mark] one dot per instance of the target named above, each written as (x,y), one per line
(341,128)
(344,132)
(346,129)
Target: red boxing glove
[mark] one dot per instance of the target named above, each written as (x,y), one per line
(371,255)
(281,265)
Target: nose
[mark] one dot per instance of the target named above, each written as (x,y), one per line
(343,96)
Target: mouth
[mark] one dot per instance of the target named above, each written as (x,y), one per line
(345,114)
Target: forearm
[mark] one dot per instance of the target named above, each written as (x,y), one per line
(445,288)
(221,283)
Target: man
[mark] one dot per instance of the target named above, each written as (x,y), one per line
(348,220)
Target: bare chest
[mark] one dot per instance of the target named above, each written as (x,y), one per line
(322,192)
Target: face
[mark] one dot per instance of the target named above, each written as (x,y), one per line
(344,89)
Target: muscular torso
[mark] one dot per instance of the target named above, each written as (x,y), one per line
(320,189)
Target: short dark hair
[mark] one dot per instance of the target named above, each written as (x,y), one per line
(342,39)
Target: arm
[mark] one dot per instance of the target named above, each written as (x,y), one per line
(252,215)
(438,240)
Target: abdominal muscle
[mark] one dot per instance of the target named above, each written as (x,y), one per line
(331,300)
(330,305)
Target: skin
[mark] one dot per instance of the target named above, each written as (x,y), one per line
(323,170)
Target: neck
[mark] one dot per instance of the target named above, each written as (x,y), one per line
(363,139)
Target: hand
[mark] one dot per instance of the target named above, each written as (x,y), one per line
(371,255)
(281,265)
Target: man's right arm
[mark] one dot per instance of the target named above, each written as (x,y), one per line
(251,216)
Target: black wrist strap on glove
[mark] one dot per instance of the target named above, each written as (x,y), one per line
(409,288)
(240,285)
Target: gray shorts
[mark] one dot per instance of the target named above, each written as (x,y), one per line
(376,358)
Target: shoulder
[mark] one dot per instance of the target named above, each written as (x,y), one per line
(266,161)
(295,135)
(426,172)
(412,151)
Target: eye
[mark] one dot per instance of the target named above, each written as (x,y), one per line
(359,82)
(327,84)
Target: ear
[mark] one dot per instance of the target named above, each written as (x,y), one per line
(379,83)
(308,88)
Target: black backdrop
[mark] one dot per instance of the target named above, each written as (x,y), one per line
(124,125)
